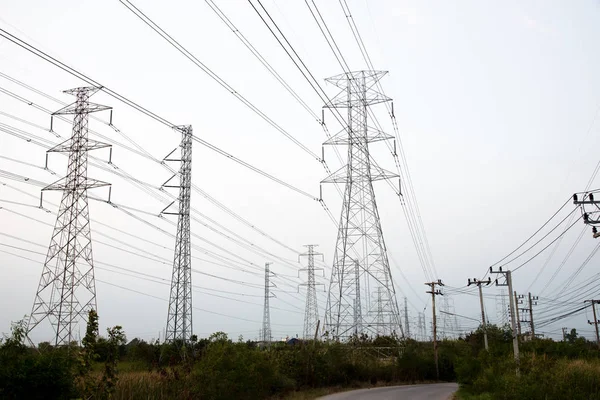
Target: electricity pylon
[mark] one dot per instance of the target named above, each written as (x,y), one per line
(67,289)
(360,237)
(266,329)
(422,328)
(311,313)
(179,318)
(406,324)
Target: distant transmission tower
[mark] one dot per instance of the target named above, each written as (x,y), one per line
(360,238)
(357,303)
(311,313)
(179,319)
(67,289)
(406,324)
(502,309)
(421,328)
(266,336)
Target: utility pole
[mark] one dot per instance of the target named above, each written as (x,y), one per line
(435,292)
(311,313)
(595,322)
(406,325)
(360,237)
(513,316)
(266,329)
(532,302)
(179,318)
(564,332)
(517,302)
(67,287)
(483,324)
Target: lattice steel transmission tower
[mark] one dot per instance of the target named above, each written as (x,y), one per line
(179,319)
(406,324)
(311,313)
(422,328)
(265,333)
(67,289)
(360,238)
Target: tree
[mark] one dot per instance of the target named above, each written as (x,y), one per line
(116,338)
(88,354)
(572,336)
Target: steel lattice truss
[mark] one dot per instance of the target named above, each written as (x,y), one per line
(67,290)
(265,333)
(311,313)
(179,319)
(361,297)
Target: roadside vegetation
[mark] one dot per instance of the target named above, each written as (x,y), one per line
(109,367)
(547,370)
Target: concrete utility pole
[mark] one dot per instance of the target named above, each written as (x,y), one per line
(434,293)
(517,302)
(532,299)
(483,324)
(595,322)
(513,315)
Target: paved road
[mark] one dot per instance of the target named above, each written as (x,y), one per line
(434,391)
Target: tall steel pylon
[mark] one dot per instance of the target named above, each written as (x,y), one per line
(421,328)
(311,313)
(360,237)
(67,289)
(406,324)
(179,319)
(265,334)
(357,302)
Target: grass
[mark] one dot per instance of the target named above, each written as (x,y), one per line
(462,394)
(311,394)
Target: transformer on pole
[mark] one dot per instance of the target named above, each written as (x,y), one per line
(179,319)
(360,237)
(67,289)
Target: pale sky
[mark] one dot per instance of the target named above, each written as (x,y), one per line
(496,102)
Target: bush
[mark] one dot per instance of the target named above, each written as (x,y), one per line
(229,370)
(27,374)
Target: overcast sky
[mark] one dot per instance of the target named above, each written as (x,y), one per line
(496,103)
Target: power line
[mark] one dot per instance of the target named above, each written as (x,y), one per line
(21,43)
(156,28)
